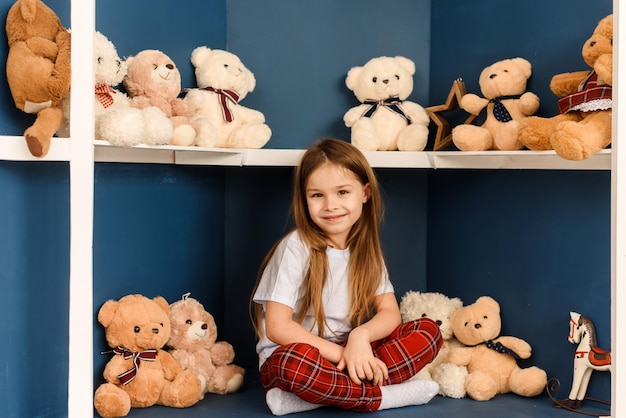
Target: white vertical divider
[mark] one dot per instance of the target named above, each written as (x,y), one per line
(80,379)
(618,219)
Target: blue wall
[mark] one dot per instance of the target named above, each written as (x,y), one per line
(34,295)
(168,229)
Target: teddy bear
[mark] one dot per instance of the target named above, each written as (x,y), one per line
(116,120)
(141,373)
(438,307)
(491,359)
(38,69)
(582,126)
(153,79)
(507,103)
(193,343)
(385,120)
(223,81)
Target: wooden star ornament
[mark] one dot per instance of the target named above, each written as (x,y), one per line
(443,138)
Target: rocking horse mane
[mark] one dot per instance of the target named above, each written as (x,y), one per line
(590,329)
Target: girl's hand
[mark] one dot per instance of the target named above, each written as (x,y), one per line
(359,359)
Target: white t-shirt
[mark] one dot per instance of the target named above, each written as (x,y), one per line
(283,277)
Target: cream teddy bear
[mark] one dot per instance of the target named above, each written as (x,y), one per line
(491,359)
(223,81)
(153,79)
(385,120)
(193,344)
(438,307)
(116,120)
(503,85)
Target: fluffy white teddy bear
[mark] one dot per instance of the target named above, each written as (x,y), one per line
(116,121)
(438,307)
(223,81)
(385,120)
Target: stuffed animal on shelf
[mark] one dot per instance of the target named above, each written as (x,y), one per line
(503,85)
(385,120)
(193,344)
(491,359)
(223,81)
(141,373)
(38,69)
(438,307)
(583,125)
(153,79)
(116,120)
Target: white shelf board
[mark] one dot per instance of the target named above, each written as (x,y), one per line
(529,160)
(14,148)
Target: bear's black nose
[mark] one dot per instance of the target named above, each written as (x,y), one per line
(155,330)
(477,326)
(205,325)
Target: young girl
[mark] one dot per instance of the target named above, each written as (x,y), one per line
(324,310)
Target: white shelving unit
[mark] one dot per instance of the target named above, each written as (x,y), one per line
(81,153)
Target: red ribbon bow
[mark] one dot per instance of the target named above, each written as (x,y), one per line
(129,375)
(224,97)
(104,94)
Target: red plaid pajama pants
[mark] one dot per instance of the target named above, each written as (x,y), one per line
(300,368)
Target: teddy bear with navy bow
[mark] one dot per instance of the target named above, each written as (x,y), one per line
(223,82)
(385,120)
(491,359)
(507,103)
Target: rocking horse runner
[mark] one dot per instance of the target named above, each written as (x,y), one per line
(587,358)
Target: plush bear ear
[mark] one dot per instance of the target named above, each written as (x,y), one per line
(107,312)
(524,65)
(353,77)
(28,10)
(199,54)
(456,303)
(407,64)
(488,301)
(160,300)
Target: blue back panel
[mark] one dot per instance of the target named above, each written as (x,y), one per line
(34,295)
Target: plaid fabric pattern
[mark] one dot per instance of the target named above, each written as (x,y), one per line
(300,368)
(590,91)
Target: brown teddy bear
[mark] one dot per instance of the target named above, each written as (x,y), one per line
(583,125)
(491,359)
(141,373)
(193,344)
(503,85)
(38,69)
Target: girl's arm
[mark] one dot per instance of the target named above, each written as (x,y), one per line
(282,329)
(357,356)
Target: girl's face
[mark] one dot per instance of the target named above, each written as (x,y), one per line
(335,199)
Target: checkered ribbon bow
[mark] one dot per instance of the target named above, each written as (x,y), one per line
(225,96)
(104,94)
(392,103)
(129,375)
(499,111)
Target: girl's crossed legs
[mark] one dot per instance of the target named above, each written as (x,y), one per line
(299,368)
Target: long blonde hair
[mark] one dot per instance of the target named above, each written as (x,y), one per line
(366,264)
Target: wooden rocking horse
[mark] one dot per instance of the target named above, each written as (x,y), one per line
(587,358)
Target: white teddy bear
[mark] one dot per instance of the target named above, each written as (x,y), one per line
(438,307)
(385,120)
(223,81)
(115,120)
